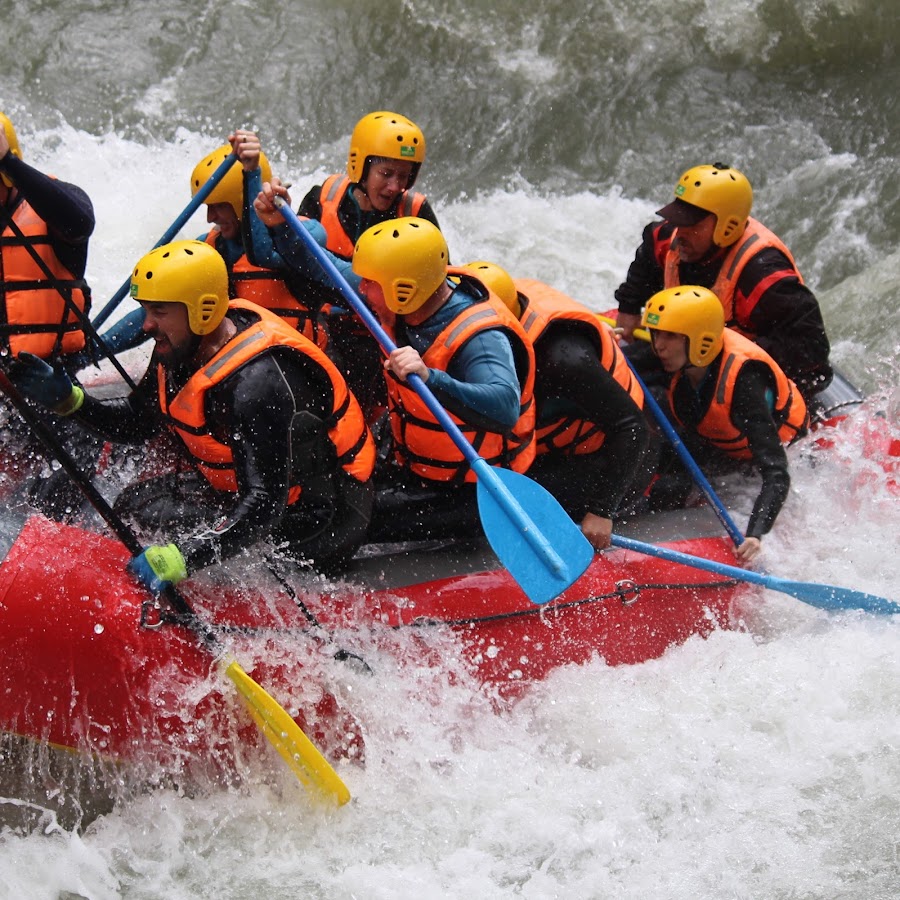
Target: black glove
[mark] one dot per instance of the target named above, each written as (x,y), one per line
(45,384)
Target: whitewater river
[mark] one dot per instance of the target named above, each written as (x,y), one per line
(760,763)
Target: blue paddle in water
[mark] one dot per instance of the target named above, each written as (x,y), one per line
(510,505)
(824,596)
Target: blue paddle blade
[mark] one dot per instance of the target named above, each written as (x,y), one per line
(824,596)
(516,513)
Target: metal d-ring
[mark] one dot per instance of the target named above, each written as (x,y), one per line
(628,592)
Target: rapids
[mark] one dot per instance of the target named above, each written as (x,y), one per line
(760,763)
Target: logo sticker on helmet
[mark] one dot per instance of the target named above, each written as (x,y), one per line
(407,150)
(653,318)
(679,190)
(134,290)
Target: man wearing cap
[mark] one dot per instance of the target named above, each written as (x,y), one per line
(708,238)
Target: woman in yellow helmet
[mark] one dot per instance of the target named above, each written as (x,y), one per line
(385,155)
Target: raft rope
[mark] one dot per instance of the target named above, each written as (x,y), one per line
(342,654)
(627,592)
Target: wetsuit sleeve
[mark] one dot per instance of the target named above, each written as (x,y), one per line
(786,319)
(271,413)
(66,208)
(289,251)
(644,278)
(570,368)
(481,380)
(128,420)
(751,414)
(256,237)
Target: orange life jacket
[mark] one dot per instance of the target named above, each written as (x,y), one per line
(717,427)
(333,190)
(421,444)
(267,288)
(756,237)
(33,314)
(186,415)
(543,306)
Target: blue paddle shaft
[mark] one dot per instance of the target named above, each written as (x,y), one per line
(173,229)
(485,473)
(824,596)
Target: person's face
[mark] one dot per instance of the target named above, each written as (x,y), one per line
(385,180)
(693,242)
(671,348)
(374,294)
(167,324)
(222,214)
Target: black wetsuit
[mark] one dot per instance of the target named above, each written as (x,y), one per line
(786,320)
(752,415)
(273,412)
(571,380)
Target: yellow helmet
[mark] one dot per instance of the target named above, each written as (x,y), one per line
(408,257)
(188,272)
(13,141)
(389,135)
(716,189)
(692,311)
(499,281)
(230,189)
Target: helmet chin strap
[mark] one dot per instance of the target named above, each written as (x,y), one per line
(361,184)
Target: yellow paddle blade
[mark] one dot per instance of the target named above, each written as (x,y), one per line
(640,333)
(286,736)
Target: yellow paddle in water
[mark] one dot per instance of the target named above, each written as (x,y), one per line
(305,761)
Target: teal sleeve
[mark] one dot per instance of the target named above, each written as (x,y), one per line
(482,377)
(293,253)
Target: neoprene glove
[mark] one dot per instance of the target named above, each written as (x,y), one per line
(158,568)
(45,384)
